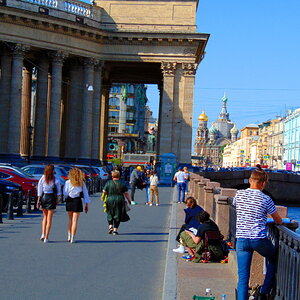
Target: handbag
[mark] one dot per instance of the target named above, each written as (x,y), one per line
(127,208)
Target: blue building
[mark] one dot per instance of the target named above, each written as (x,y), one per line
(291,139)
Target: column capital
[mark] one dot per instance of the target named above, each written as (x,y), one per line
(168,68)
(20,49)
(189,69)
(58,56)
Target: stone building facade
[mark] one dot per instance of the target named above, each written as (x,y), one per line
(76,51)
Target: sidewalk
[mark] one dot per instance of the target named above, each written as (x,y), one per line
(193,278)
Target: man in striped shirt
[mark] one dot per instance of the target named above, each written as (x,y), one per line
(252,208)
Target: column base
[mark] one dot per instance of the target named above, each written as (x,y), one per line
(14,159)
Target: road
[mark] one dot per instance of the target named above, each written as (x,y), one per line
(98,266)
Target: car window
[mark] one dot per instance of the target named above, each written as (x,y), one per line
(3,175)
(30,170)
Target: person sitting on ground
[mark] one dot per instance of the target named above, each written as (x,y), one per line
(194,240)
(191,211)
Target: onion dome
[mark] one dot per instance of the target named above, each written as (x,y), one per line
(213,129)
(203,117)
(234,130)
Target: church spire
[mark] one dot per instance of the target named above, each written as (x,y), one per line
(224,115)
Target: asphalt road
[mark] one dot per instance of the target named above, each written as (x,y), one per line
(98,266)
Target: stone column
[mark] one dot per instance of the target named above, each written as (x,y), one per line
(87,110)
(39,139)
(14,120)
(96,111)
(166,109)
(74,109)
(55,103)
(26,110)
(103,121)
(222,214)
(186,103)
(201,186)
(5,81)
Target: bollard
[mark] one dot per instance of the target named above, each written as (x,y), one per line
(28,203)
(35,204)
(10,209)
(20,204)
(1,207)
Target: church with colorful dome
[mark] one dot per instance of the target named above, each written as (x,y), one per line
(209,143)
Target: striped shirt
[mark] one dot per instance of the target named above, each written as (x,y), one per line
(252,207)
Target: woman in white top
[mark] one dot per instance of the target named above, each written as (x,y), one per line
(154,188)
(74,190)
(48,197)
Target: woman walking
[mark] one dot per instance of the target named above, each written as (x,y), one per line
(74,190)
(115,190)
(48,197)
(252,207)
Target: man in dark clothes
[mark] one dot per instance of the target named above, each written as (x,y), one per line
(194,240)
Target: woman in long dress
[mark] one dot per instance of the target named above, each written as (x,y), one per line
(115,189)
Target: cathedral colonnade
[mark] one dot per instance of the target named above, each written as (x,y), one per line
(56,97)
(62,58)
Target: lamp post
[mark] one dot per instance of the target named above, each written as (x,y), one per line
(30,131)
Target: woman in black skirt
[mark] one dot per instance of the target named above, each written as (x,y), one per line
(74,190)
(48,197)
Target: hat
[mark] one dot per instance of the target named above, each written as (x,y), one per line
(139,168)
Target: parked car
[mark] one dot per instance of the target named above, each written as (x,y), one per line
(16,170)
(102,173)
(37,171)
(6,188)
(27,183)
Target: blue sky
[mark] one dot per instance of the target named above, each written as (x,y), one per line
(253,54)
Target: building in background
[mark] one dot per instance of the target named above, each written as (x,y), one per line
(209,143)
(127,119)
(291,140)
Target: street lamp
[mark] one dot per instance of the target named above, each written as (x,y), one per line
(30,131)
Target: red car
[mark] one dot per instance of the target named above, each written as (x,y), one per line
(27,183)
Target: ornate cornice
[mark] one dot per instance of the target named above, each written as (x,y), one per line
(168,68)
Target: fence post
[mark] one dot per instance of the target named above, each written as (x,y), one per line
(10,209)
(28,203)
(20,204)
(1,207)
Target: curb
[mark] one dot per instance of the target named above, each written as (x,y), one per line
(170,277)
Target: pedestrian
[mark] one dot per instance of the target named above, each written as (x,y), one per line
(180,179)
(146,178)
(134,178)
(191,211)
(252,208)
(186,178)
(115,190)
(193,239)
(154,188)
(48,197)
(74,190)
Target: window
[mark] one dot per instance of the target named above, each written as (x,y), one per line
(113,114)
(114,101)
(129,115)
(250,132)
(3,175)
(129,129)
(112,129)
(130,101)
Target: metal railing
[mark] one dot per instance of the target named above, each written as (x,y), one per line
(288,267)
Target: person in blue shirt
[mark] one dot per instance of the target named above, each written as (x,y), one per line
(191,211)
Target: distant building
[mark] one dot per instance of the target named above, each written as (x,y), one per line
(127,119)
(209,143)
(291,139)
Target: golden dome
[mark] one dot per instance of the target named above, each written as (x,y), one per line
(203,117)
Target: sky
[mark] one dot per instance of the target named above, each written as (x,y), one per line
(253,54)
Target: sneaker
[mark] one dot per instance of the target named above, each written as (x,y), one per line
(180,249)
(156,204)
(115,233)
(187,257)
(110,230)
(150,204)
(42,237)
(72,241)
(46,240)
(69,237)
(133,203)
